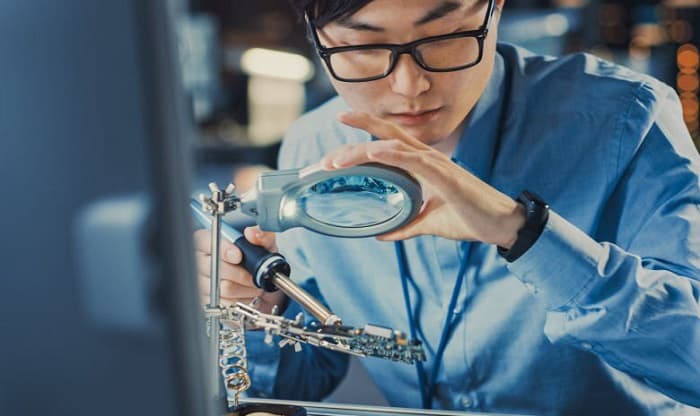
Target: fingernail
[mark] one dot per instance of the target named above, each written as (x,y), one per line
(339,161)
(326,164)
(233,255)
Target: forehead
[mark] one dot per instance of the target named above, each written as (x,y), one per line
(385,13)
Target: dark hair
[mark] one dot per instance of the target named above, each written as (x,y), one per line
(323,12)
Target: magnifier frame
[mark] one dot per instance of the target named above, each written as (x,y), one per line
(275,203)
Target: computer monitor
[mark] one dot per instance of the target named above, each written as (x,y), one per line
(99,310)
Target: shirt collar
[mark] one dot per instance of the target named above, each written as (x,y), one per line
(477,146)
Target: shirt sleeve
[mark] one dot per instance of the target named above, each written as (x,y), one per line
(633,300)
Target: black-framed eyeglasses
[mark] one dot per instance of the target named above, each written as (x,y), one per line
(441,53)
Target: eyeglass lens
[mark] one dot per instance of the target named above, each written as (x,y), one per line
(441,54)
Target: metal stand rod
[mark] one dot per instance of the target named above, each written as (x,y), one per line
(214,291)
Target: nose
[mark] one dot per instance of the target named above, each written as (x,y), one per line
(407,78)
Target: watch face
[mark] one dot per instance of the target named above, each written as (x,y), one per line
(527,198)
(537,211)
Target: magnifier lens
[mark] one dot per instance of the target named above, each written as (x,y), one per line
(352,201)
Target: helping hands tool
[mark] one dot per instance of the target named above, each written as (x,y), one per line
(270,271)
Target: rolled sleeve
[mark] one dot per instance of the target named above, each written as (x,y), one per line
(561,263)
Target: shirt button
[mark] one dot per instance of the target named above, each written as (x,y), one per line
(531,288)
(571,315)
(587,345)
(467,401)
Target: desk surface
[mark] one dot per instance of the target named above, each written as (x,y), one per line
(333,409)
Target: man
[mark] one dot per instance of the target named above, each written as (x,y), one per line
(589,305)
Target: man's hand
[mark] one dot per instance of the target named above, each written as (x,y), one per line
(458,205)
(236,284)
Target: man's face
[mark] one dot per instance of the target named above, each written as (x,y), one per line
(428,105)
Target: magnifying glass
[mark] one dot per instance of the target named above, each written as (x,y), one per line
(360,201)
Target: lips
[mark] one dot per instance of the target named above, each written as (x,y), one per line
(412,118)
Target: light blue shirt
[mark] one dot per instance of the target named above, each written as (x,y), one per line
(600,316)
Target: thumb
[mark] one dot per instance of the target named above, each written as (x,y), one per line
(260,238)
(402,233)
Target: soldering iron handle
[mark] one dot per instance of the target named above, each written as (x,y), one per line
(261,263)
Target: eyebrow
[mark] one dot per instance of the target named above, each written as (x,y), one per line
(442,10)
(438,12)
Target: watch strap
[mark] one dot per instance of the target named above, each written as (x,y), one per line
(536,216)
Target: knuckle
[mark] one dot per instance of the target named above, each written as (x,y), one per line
(238,275)
(228,289)
(203,265)
(270,236)
(202,240)
(423,156)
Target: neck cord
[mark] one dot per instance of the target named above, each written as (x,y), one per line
(403,266)
(428,387)
(427,390)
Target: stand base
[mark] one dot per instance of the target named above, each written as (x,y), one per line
(268,409)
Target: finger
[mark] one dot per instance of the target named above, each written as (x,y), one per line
(233,273)
(203,263)
(379,128)
(365,152)
(261,238)
(327,163)
(404,233)
(230,253)
(227,270)
(230,290)
(414,228)
(227,288)
(427,165)
(226,302)
(202,241)
(204,285)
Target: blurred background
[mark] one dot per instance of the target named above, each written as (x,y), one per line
(97,299)
(249,71)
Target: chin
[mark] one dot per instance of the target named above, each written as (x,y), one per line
(426,134)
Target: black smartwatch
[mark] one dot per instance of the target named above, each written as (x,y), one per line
(536,216)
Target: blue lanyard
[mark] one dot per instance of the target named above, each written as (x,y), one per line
(427,387)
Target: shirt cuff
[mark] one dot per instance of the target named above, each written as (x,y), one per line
(560,264)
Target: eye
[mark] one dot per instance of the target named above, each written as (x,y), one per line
(462,28)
